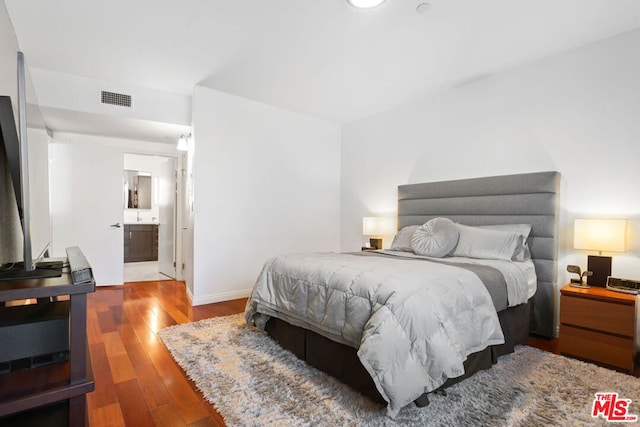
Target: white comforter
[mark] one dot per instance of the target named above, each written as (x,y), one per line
(414,321)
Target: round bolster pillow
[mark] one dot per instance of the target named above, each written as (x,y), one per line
(435,238)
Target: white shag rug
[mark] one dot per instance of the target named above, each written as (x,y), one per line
(253,382)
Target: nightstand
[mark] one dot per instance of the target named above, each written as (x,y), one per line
(598,325)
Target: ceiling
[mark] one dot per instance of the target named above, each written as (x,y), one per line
(322,58)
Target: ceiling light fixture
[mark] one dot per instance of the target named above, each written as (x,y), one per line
(183,143)
(365,4)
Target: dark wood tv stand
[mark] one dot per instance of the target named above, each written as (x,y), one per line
(57,390)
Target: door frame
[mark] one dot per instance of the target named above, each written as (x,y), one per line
(177,227)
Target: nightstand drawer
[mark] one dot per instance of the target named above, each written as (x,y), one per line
(612,317)
(603,348)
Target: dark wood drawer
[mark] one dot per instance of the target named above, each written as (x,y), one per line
(142,227)
(612,317)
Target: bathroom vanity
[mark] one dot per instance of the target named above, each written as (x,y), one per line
(140,242)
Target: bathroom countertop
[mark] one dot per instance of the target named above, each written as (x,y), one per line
(141,223)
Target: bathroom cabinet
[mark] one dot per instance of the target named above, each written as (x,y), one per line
(140,242)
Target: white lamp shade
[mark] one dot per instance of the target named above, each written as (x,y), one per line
(378,226)
(600,234)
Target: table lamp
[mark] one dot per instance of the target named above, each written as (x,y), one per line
(606,235)
(377,226)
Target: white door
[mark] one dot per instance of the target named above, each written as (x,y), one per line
(87,206)
(167,218)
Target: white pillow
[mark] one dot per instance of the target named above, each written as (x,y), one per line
(522,252)
(402,241)
(435,238)
(476,242)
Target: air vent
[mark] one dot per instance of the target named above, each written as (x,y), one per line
(119,99)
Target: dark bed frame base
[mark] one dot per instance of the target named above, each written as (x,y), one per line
(342,362)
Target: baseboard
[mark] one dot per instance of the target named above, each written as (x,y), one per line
(223,296)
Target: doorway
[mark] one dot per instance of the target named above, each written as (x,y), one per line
(150,217)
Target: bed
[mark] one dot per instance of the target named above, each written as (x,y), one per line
(416,352)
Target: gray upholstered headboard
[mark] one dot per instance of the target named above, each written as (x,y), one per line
(530,198)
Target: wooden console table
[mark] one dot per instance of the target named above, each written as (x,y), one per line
(58,389)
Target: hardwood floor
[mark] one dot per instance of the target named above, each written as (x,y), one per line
(137,381)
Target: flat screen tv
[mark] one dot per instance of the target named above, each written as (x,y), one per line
(11,236)
(15,236)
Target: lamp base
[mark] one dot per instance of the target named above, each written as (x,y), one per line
(601,268)
(377,244)
(579,285)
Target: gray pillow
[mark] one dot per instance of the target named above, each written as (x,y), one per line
(436,238)
(522,252)
(476,242)
(402,241)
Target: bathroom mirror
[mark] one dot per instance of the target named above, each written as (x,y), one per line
(137,190)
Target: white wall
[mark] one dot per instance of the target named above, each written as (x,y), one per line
(266,181)
(77,93)
(39,189)
(577,113)
(8,58)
